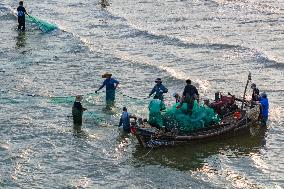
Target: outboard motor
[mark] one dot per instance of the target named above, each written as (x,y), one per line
(223,104)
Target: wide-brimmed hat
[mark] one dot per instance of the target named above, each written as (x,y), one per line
(106,74)
(79,97)
(158,80)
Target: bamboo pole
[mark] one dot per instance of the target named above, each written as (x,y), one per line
(248,80)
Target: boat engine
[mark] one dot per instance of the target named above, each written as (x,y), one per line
(224,104)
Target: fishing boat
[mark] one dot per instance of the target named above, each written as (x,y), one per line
(235,115)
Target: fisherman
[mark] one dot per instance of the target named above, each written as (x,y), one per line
(104,3)
(177,97)
(190,93)
(77,111)
(264,108)
(255,92)
(206,102)
(159,89)
(155,108)
(21,16)
(124,121)
(111,85)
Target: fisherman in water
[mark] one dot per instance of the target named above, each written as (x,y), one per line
(159,89)
(104,3)
(124,121)
(264,107)
(77,112)
(111,85)
(21,16)
(155,116)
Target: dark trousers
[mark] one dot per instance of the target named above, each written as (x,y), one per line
(77,117)
(21,21)
(189,100)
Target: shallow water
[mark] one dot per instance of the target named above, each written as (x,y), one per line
(214,43)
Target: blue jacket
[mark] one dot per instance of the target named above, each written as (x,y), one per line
(125,120)
(264,106)
(109,83)
(159,89)
(21,11)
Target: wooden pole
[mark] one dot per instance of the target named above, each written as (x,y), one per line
(249,79)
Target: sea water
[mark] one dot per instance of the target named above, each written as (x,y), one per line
(213,43)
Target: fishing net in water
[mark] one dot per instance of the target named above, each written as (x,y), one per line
(43,25)
(69,99)
(62,100)
(201,117)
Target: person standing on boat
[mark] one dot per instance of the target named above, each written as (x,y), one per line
(159,89)
(111,85)
(77,111)
(255,92)
(155,107)
(124,121)
(190,93)
(264,108)
(21,16)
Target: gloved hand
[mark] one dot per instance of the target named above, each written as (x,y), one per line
(149,96)
(96,91)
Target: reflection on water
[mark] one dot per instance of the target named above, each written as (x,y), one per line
(21,39)
(193,156)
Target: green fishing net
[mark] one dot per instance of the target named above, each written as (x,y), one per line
(62,100)
(43,25)
(201,117)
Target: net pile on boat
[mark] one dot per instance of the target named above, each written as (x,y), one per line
(201,117)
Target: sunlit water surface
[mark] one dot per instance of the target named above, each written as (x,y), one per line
(214,43)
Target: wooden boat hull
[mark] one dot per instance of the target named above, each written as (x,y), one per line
(152,137)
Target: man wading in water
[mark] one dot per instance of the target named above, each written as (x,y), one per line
(111,85)
(77,112)
(21,16)
(159,89)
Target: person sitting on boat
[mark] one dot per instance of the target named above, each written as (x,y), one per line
(177,97)
(111,85)
(190,93)
(159,89)
(255,92)
(77,111)
(264,108)
(155,108)
(124,121)
(21,16)
(206,102)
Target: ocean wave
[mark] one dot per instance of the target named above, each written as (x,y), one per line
(258,6)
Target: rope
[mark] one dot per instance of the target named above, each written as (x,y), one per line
(92,114)
(134,98)
(147,153)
